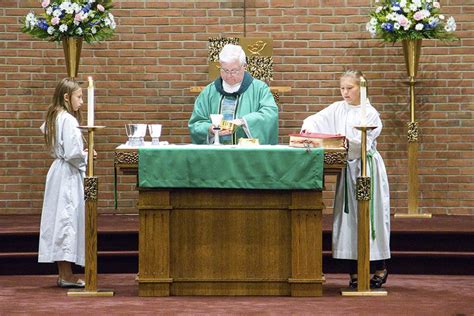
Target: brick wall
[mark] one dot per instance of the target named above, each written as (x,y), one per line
(144,72)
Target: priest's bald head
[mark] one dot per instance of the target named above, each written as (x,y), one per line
(232,64)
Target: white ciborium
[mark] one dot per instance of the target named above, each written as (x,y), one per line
(136,134)
(216,120)
(155,133)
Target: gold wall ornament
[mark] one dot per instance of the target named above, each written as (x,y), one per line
(260,67)
(216,45)
(72,47)
(257,47)
(91,188)
(412,132)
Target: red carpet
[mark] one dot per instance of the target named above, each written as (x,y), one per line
(407,295)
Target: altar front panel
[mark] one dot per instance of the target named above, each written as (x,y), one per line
(230,242)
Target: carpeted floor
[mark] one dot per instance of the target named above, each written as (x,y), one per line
(407,295)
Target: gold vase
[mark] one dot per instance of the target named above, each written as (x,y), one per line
(72,52)
(412,52)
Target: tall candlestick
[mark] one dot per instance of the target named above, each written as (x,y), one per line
(90,103)
(363,101)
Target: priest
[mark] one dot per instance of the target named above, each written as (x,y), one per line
(242,100)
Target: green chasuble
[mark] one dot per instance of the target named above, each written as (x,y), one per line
(231,167)
(255,104)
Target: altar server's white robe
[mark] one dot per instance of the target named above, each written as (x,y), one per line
(62,220)
(340,118)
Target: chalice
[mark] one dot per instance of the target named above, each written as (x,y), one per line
(216,120)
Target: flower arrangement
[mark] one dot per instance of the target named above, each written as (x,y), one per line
(397,20)
(87,19)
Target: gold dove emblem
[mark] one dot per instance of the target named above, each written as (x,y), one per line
(257,47)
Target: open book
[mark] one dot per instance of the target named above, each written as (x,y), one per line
(315,140)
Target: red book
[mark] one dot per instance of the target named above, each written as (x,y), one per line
(317,140)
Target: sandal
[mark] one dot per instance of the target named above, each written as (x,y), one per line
(378,280)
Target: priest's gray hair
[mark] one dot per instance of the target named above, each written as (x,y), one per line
(231,52)
(355,74)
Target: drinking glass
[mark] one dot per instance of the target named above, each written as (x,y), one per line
(155,133)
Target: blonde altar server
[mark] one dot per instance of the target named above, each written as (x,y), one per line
(340,118)
(62,231)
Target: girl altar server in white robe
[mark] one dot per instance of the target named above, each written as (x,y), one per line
(340,118)
(62,231)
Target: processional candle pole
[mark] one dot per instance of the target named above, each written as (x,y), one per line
(91,188)
(363,195)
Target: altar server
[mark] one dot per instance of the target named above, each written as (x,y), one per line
(340,118)
(241,99)
(62,231)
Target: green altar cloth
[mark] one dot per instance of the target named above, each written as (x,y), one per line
(232,167)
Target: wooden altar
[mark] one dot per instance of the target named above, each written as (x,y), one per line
(207,241)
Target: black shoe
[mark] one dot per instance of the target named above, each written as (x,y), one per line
(377,281)
(353,281)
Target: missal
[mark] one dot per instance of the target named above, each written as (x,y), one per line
(317,140)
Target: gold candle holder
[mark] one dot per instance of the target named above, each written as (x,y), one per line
(363,225)
(91,188)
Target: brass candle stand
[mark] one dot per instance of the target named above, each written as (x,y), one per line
(363,226)
(91,188)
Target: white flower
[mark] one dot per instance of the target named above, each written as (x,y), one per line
(65,5)
(419,26)
(413,7)
(378,9)
(403,3)
(79,31)
(76,7)
(63,28)
(93,30)
(373,21)
(407,27)
(417,3)
(371,28)
(441,17)
(396,26)
(57,12)
(107,22)
(50,30)
(451,24)
(436,5)
(49,10)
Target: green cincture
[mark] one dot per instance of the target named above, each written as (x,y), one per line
(370,160)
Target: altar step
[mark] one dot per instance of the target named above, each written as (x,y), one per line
(443,245)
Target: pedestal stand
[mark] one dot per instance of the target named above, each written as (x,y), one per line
(363,227)
(91,186)
(412,51)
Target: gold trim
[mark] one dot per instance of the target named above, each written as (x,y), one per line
(363,188)
(335,158)
(412,132)
(91,188)
(128,158)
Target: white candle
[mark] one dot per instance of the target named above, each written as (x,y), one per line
(90,103)
(363,101)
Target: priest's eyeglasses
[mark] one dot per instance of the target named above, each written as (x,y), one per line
(231,71)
